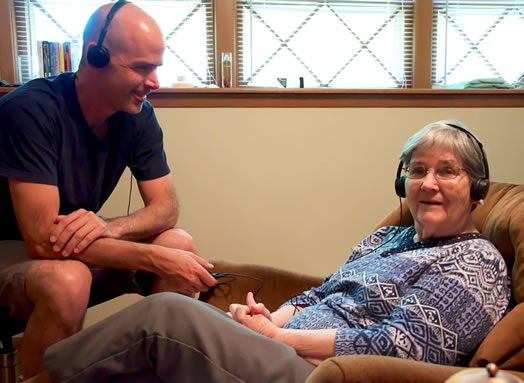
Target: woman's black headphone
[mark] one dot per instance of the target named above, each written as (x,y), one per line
(479,188)
(98,55)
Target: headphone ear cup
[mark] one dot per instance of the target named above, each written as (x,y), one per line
(97,56)
(400,186)
(479,189)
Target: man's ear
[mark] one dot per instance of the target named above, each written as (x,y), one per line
(97,56)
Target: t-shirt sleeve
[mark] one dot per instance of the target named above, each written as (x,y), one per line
(149,159)
(28,142)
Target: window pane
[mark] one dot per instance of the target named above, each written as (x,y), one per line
(481,39)
(187,26)
(343,44)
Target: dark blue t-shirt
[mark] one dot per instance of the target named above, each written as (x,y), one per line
(45,139)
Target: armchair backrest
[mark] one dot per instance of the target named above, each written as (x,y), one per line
(501,219)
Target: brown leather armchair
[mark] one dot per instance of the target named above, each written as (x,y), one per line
(500,218)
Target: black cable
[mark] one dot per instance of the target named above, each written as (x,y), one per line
(130,191)
(233,276)
(396,231)
(297,307)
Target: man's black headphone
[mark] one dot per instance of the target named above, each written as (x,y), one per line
(98,55)
(479,188)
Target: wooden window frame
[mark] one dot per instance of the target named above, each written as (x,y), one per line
(8,68)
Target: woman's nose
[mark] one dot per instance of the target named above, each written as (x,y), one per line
(429,182)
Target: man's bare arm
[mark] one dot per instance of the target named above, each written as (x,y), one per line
(36,208)
(159,213)
(76,231)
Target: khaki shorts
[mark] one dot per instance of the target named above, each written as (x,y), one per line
(107,283)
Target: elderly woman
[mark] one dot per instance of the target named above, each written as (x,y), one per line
(430,292)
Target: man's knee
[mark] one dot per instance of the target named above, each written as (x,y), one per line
(63,287)
(175,238)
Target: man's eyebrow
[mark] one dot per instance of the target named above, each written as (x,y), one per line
(144,64)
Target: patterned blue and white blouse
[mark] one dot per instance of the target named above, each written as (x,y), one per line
(432,301)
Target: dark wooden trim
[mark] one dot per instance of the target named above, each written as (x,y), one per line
(423,41)
(8,70)
(333,98)
(225,16)
(330,98)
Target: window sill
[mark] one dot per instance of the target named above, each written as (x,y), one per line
(332,98)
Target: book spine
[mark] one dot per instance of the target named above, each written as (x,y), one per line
(61,57)
(56,59)
(67,56)
(40,59)
(46,58)
(51,58)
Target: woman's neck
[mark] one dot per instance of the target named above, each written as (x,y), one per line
(423,234)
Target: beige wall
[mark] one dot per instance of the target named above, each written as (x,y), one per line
(298,188)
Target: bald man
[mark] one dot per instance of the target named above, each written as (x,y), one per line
(64,144)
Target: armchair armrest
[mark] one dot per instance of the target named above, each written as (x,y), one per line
(379,369)
(504,344)
(276,285)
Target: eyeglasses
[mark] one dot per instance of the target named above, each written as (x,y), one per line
(444,172)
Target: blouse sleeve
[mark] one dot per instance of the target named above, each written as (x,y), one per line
(316,294)
(444,315)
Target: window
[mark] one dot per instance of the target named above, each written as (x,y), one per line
(477,39)
(187,26)
(326,43)
(329,43)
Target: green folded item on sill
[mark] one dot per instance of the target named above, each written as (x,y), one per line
(482,83)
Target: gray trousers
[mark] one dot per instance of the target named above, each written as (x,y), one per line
(168,337)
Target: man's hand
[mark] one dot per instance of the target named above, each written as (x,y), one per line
(184,272)
(76,231)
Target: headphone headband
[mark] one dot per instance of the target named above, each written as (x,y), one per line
(479,188)
(479,144)
(98,56)
(119,4)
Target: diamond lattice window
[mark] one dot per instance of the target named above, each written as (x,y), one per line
(329,43)
(477,39)
(187,26)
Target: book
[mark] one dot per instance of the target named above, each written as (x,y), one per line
(40,58)
(61,61)
(46,58)
(55,58)
(67,56)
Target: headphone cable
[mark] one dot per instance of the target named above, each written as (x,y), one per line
(233,276)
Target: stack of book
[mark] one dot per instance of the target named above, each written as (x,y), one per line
(54,58)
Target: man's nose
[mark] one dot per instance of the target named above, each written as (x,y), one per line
(152,81)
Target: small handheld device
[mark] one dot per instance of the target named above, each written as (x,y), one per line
(219,275)
(231,277)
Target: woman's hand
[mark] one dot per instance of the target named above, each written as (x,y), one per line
(257,308)
(254,316)
(251,307)
(261,324)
